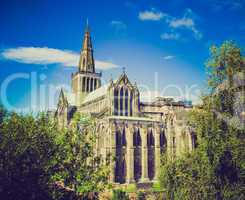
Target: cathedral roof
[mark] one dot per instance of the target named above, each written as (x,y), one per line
(122,80)
(96,93)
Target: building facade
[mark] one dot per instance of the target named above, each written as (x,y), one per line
(133,132)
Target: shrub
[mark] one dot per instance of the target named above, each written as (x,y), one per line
(119,195)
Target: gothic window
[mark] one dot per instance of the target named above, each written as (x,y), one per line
(150,138)
(126,102)
(163,141)
(83,84)
(137,138)
(120,169)
(137,155)
(95,84)
(91,84)
(124,143)
(121,101)
(131,104)
(118,139)
(84,62)
(151,154)
(115,102)
(87,89)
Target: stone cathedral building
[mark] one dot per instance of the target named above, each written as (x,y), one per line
(136,133)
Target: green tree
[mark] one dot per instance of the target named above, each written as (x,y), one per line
(27,152)
(80,169)
(119,194)
(216,169)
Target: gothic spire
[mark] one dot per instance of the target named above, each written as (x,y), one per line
(86,61)
(62,99)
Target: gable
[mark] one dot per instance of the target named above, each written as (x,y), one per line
(123,80)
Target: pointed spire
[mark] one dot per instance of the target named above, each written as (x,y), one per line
(62,98)
(86,61)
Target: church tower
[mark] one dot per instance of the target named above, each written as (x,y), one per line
(86,79)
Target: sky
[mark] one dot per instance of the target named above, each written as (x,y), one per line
(163,45)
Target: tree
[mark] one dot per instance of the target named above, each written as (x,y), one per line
(215,170)
(80,169)
(27,156)
(40,161)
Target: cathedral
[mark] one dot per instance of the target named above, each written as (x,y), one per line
(135,133)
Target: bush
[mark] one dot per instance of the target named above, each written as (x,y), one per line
(119,195)
(141,195)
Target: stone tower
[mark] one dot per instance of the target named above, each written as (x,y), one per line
(85,80)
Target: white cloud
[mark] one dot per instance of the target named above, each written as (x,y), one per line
(169,57)
(182,23)
(151,15)
(170,36)
(45,55)
(187,21)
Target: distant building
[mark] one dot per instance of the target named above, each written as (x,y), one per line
(136,133)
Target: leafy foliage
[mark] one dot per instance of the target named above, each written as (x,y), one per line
(40,161)
(27,156)
(119,194)
(80,170)
(216,169)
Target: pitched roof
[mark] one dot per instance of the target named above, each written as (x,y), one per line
(96,94)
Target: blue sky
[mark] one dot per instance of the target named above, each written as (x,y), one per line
(167,39)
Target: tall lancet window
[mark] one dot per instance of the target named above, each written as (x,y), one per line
(87,88)
(151,157)
(91,84)
(115,102)
(163,141)
(126,102)
(83,85)
(121,101)
(131,104)
(95,84)
(137,154)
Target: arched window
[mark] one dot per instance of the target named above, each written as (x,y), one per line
(115,102)
(83,84)
(126,102)
(118,139)
(84,62)
(150,139)
(121,101)
(137,155)
(91,84)
(87,89)
(151,154)
(163,142)
(95,84)
(136,138)
(124,142)
(120,168)
(131,104)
